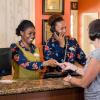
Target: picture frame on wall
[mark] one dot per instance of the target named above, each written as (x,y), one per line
(74,5)
(46,33)
(52,6)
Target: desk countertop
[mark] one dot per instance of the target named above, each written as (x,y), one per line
(26,86)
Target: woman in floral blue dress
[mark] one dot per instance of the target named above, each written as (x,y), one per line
(61,47)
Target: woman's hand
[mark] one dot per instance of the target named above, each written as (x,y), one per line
(67,66)
(51,62)
(60,38)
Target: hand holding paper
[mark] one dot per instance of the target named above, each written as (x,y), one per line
(67,66)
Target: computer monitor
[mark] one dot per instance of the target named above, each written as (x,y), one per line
(5,61)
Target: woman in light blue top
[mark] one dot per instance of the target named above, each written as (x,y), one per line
(91,73)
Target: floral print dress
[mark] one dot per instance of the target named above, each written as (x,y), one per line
(70,53)
(20,59)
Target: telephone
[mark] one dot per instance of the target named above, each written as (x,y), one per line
(52,29)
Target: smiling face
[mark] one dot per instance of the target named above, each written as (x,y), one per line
(60,27)
(28,35)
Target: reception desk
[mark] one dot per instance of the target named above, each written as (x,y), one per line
(46,89)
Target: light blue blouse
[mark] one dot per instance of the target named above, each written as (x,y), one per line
(93,91)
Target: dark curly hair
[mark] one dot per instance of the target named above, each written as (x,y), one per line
(94,30)
(24,24)
(55,18)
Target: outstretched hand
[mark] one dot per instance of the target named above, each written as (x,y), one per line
(51,62)
(67,66)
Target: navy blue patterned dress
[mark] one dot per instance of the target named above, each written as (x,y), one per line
(70,53)
(21,60)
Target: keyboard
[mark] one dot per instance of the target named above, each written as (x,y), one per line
(60,74)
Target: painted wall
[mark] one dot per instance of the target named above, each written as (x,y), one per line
(11,13)
(39,18)
(86,6)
